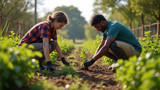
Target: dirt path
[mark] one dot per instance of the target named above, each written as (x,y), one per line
(97,77)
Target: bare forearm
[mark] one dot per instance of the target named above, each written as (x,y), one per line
(98,49)
(59,52)
(46,52)
(100,53)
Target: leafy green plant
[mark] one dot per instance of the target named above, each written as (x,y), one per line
(150,44)
(78,84)
(141,74)
(15,64)
(66,70)
(45,72)
(83,56)
(44,85)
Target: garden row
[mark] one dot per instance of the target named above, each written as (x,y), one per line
(16,63)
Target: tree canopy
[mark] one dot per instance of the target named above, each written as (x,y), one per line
(131,11)
(77,22)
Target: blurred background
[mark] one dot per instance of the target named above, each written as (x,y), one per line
(21,15)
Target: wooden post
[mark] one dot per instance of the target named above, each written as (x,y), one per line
(150,28)
(17,24)
(29,27)
(142,30)
(137,32)
(10,24)
(0,19)
(23,28)
(158,28)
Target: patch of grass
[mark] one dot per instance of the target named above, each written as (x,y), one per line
(83,56)
(66,70)
(78,85)
(44,85)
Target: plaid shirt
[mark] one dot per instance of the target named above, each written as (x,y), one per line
(38,32)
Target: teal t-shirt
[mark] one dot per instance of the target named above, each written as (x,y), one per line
(121,33)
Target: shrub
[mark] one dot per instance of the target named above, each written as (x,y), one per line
(16,66)
(141,74)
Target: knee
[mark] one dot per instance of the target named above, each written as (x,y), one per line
(113,45)
(53,44)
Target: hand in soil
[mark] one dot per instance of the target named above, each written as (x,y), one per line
(88,63)
(84,68)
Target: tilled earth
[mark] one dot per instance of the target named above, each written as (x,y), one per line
(97,76)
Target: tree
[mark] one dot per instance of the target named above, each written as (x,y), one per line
(147,7)
(90,32)
(123,6)
(77,22)
(14,7)
(18,10)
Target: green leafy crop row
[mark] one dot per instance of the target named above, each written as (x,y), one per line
(16,64)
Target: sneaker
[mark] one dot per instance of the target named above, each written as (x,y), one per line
(113,67)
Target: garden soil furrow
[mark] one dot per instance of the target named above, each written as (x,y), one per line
(97,76)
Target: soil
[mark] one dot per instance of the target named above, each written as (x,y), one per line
(94,76)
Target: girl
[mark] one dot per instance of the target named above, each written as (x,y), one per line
(43,37)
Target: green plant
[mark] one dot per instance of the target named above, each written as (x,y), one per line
(150,44)
(141,74)
(43,85)
(66,70)
(45,72)
(78,85)
(83,56)
(15,64)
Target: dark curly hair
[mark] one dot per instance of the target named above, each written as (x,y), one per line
(97,19)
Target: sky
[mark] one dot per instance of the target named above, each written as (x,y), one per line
(85,6)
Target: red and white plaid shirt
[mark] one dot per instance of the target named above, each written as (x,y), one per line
(38,32)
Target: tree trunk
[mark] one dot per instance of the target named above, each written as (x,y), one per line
(74,40)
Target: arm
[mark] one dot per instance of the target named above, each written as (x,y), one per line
(102,43)
(58,49)
(46,48)
(104,48)
(61,54)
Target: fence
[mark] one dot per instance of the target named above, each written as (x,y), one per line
(154,28)
(8,24)
(21,28)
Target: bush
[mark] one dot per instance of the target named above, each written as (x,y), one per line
(16,66)
(141,74)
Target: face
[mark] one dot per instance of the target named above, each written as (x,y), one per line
(58,25)
(101,26)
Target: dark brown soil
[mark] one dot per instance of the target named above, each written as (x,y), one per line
(94,76)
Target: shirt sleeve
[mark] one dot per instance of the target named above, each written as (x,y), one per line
(44,31)
(113,31)
(54,35)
